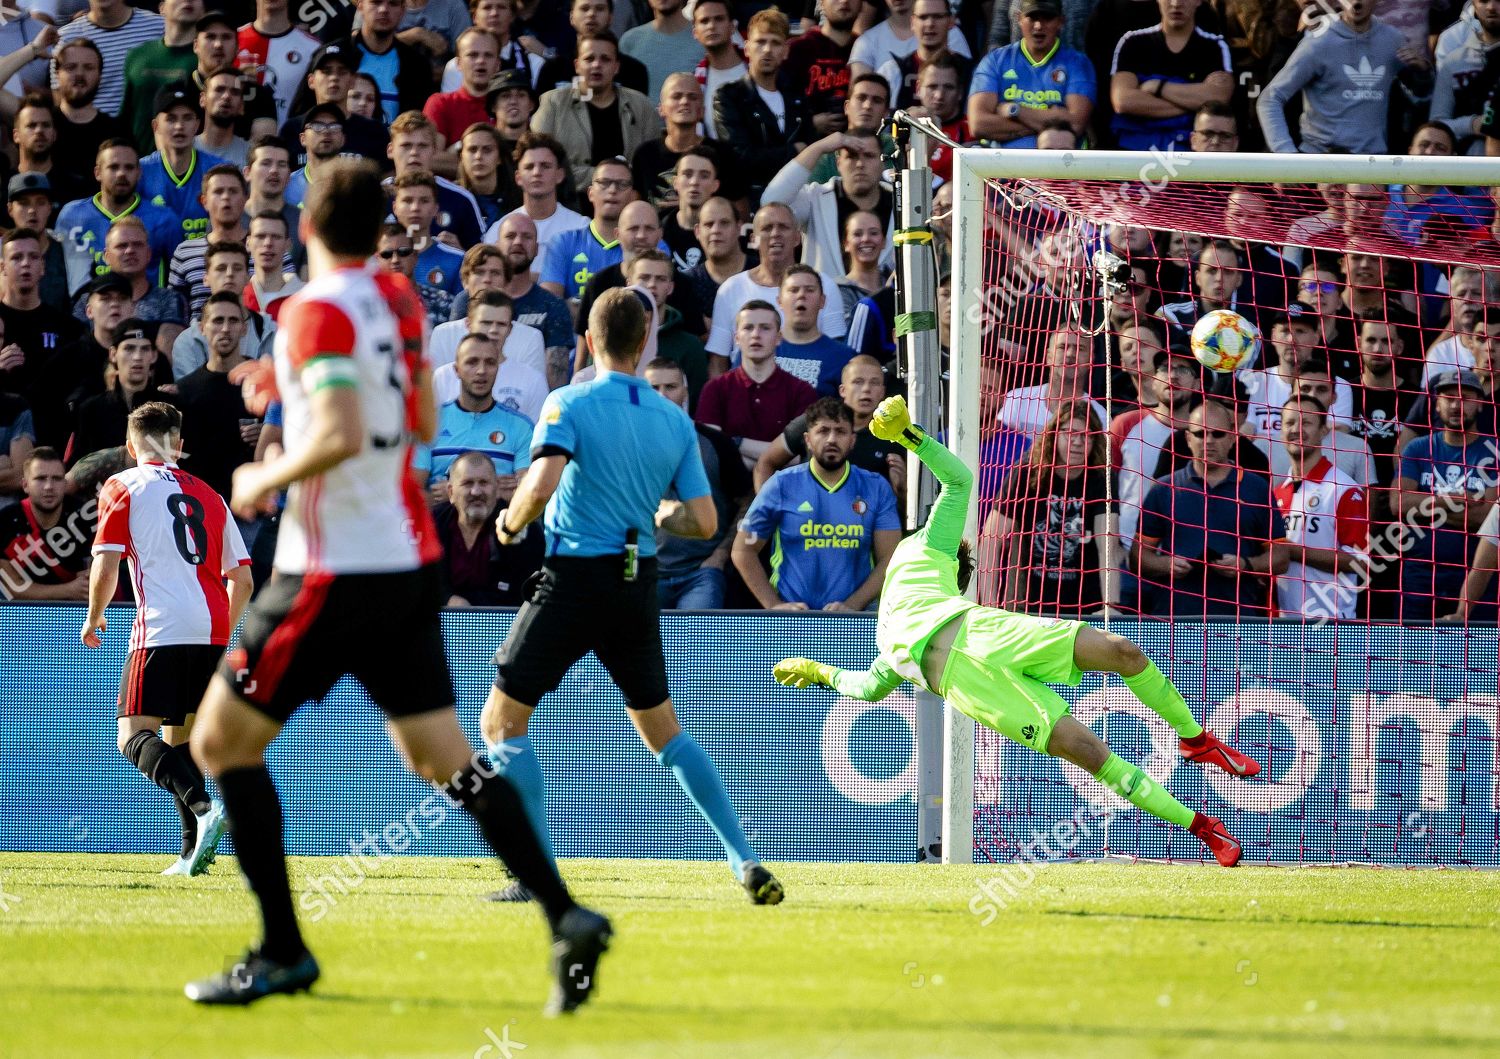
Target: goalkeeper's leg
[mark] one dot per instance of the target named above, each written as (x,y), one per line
(1027,711)
(1105,652)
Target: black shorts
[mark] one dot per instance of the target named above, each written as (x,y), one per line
(577,605)
(303,632)
(167,682)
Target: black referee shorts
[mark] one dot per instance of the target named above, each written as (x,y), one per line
(303,632)
(574,606)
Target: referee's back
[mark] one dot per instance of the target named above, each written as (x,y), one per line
(626,446)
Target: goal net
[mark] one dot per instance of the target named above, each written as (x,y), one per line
(1306,544)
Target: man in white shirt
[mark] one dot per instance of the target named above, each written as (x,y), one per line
(1028,409)
(894,39)
(722,62)
(539,173)
(519,386)
(778,238)
(1294,336)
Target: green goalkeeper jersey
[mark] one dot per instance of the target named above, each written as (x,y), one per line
(921,593)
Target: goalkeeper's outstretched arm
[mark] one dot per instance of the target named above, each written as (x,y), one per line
(869,685)
(945,525)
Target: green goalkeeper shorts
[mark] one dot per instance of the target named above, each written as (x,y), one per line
(999,668)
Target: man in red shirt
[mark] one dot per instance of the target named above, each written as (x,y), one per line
(818,64)
(753,403)
(37,560)
(453,112)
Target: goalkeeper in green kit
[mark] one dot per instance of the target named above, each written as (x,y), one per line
(994,665)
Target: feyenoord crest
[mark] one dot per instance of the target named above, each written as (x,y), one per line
(1059,76)
(860,507)
(497,437)
(435,277)
(1314,501)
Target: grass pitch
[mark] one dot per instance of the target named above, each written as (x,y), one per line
(861,961)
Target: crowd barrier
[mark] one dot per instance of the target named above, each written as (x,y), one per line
(1380,741)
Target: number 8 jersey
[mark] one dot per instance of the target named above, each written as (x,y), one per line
(179,541)
(357,328)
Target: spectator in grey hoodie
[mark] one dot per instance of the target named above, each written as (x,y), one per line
(1466,74)
(1345,68)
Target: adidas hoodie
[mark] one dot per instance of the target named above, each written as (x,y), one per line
(1345,79)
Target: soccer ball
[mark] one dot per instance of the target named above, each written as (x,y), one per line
(1224,340)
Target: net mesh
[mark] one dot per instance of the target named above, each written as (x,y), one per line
(1306,544)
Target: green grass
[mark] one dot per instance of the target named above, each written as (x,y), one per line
(861,961)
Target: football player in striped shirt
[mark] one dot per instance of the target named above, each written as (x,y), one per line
(191,575)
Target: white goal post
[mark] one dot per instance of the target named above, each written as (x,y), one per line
(972,168)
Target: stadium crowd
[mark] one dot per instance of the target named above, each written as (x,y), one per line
(728,160)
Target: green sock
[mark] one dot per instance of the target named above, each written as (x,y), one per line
(1158,693)
(1141,791)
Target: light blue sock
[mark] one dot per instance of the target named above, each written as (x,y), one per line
(696,774)
(517,762)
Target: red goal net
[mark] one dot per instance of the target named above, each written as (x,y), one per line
(1306,545)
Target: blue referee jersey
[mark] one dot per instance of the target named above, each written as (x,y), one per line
(626,446)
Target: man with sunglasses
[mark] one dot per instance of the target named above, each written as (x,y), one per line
(395,252)
(1017,89)
(322,137)
(1207,533)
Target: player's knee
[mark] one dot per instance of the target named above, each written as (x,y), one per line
(1125,656)
(209,747)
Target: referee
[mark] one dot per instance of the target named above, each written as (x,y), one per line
(603,456)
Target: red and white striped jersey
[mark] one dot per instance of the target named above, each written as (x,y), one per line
(365,329)
(1327,509)
(179,543)
(278,63)
(1136,440)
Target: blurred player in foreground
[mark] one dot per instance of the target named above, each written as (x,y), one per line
(994,666)
(191,575)
(356,543)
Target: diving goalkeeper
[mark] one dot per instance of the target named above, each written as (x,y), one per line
(994,666)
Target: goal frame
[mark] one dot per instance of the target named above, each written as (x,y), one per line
(972,168)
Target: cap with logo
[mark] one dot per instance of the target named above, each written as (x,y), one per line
(510,80)
(334,53)
(1459,378)
(29,183)
(176,94)
(128,330)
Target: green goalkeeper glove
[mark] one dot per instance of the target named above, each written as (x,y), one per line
(892,422)
(801,672)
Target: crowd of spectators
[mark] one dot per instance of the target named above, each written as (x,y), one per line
(729,161)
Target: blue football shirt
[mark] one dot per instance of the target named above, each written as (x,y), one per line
(626,446)
(822,539)
(1015,77)
(83,225)
(438,266)
(500,433)
(574,256)
(178,193)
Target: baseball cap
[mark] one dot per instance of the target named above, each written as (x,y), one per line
(126,330)
(323,110)
(1295,311)
(27,183)
(1045,8)
(177,94)
(1462,378)
(110,283)
(214,18)
(334,53)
